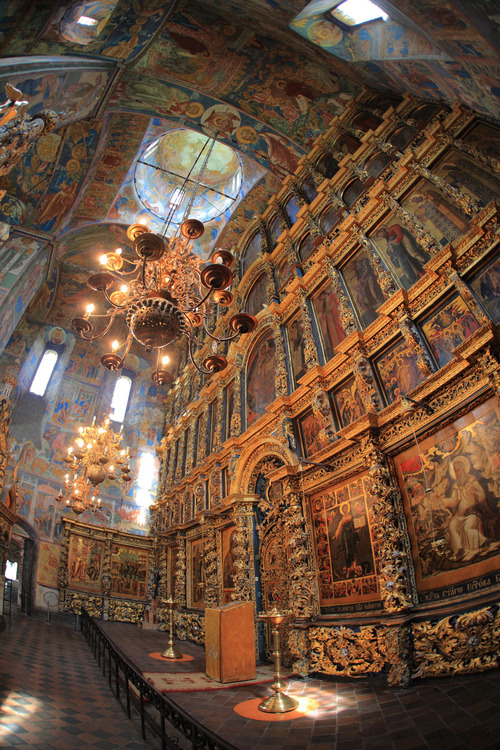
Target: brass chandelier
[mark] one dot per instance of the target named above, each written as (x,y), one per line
(96,456)
(164,292)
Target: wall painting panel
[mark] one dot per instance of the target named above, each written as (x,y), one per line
(398,371)
(400,251)
(261,386)
(348,402)
(327,311)
(364,287)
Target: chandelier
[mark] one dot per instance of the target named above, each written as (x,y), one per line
(78,497)
(163,293)
(97,455)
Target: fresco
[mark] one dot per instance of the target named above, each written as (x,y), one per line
(80,143)
(261,388)
(400,251)
(85,558)
(48,564)
(129,571)
(448,327)
(486,285)
(363,286)
(345,554)
(123,36)
(326,309)
(348,402)
(450,488)
(201,50)
(296,346)
(436,213)
(398,372)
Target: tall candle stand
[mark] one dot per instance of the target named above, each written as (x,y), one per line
(171,652)
(278,702)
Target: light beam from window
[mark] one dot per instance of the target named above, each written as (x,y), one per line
(119,402)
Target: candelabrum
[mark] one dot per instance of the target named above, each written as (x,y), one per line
(78,497)
(98,454)
(171,652)
(278,702)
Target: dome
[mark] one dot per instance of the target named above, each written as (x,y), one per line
(181,163)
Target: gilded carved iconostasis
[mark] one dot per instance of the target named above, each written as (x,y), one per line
(345,463)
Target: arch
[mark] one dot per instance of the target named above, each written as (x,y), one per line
(256,451)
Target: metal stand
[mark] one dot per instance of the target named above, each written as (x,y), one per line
(171,652)
(279,702)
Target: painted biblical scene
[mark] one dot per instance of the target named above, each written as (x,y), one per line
(437,213)
(398,372)
(85,559)
(229,569)
(327,310)
(469,177)
(448,327)
(129,571)
(197,574)
(348,402)
(257,296)
(283,273)
(261,386)
(296,346)
(451,488)
(48,563)
(345,553)
(400,251)
(486,138)
(486,285)
(313,433)
(364,288)
(251,252)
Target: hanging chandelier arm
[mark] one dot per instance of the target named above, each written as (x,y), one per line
(200,303)
(116,307)
(217,338)
(191,357)
(104,332)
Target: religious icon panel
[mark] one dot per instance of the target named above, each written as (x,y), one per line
(451,492)
(345,552)
(486,285)
(196,574)
(398,371)
(363,286)
(85,560)
(437,213)
(129,571)
(400,251)
(327,310)
(261,388)
(228,536)
(448,327)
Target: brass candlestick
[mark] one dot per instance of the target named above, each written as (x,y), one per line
(279,702)
(171,652)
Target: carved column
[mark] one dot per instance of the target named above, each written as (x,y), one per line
(345,309)
(271,290)
(180,454)
(235,426)
(385,279)
(291,251)
(389,534)
(62,572)
(488,362)
(303,592)
(212,598)
(310,349)
(219,424)
(264,245)
(165,577)
(366,383)
(202,435)
(9,383)
(243,577)
(415,344)
(190,447)
(106,568)
(180,572)
(314,173)
(281,374)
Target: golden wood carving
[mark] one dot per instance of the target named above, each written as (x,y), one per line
(457,645)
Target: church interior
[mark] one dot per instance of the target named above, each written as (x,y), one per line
(250,372)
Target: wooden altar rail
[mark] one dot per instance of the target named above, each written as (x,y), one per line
(123,677)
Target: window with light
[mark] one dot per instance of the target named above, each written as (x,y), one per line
(355,12)
(43,372)
(119,401)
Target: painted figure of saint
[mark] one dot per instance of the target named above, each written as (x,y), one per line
(403,252)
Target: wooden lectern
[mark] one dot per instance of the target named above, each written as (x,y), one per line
(230,642)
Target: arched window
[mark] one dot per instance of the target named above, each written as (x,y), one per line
(84,22)
(119,402)
(44,371)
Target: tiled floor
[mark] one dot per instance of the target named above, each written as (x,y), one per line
(55,697)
